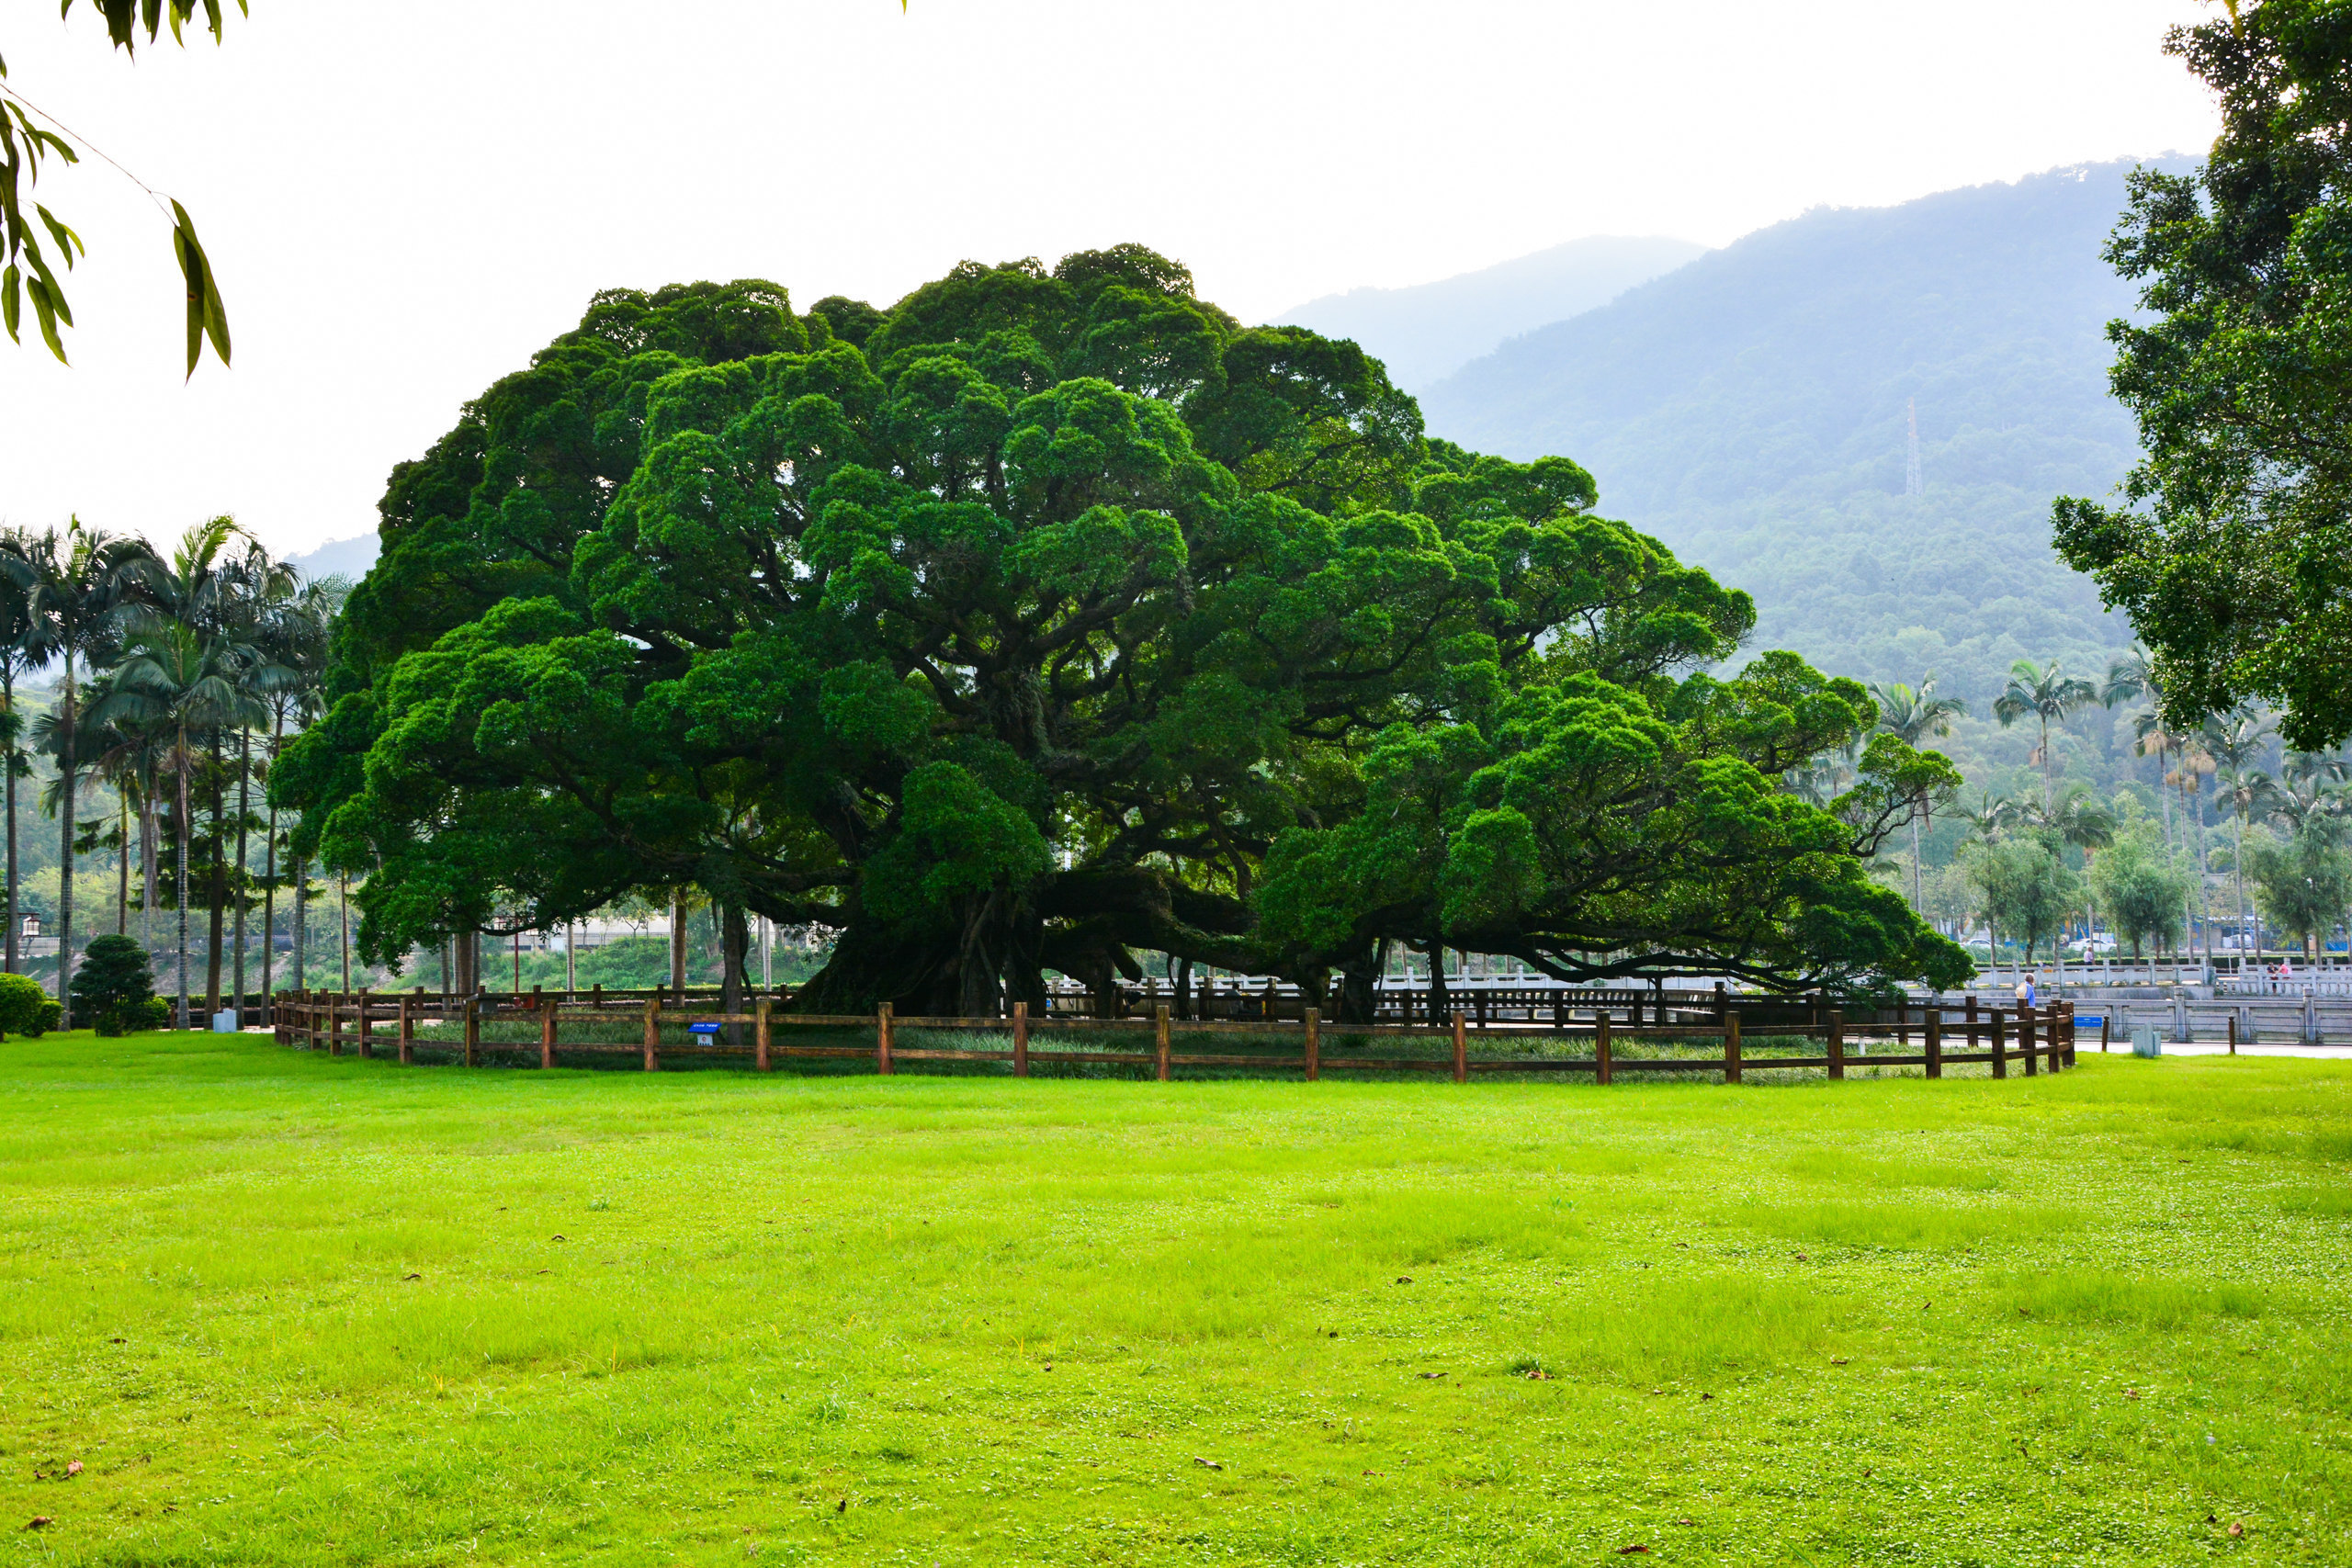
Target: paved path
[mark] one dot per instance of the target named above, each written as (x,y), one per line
(2218,1048)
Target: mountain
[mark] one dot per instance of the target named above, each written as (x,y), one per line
(1751,410)
(338,557)
(1426,332)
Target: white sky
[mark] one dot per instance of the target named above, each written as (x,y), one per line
(402,201)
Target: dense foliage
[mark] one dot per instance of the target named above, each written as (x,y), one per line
(1050,617)
(25,1008)
(2232,554)
(115,989)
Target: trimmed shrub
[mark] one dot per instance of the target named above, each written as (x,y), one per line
(25,1008)
(115,989)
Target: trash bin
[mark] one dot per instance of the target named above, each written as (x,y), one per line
(2146,1042)
(225,1021)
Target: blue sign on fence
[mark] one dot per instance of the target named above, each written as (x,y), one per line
(701,1029)
(2088,1020)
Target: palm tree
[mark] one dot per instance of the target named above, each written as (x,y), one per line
(254,583)
(2080,820)
(15,658)
(175,674)
(1913,717)
(2242,790)
(2309,797)
(2129,679)
(198,588)
(2196,765)
(2049,695)
(295,631)
(1991,817)
(76,583)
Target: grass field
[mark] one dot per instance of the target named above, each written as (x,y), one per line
(289,1309)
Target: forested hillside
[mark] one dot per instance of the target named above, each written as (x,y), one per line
(1428,331)
(1749,409)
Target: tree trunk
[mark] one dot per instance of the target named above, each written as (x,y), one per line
(180,772)
(1918,896)
(218,893)
(343,895)
(65,853)
(244,804)
(122,865)
(148,835)
(299,953)
(2238,868)
(8,761)
(734,943)
(269,909)
(678,942)
(1358,980)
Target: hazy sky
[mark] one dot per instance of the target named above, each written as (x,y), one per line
(404,201)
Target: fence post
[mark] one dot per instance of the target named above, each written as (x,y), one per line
(1837,1043)
(1600,1062)
(407,1027)
(1731,1049)
(2106,1018)
(2234,1032)
(2000,1046)
(2068,1059)
(1314,1043)
(1478,1000)
(882,1016)
(1461,1049)
(1935,1040)
(366,1045)
(334,1025)
(760,1034)
(654,1031)
(1971,1023)
(2026,1038)
(546,1030)
(473,1030)
(1021,1040)
(1159,1040)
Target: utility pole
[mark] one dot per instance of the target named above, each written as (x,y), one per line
(1912,483)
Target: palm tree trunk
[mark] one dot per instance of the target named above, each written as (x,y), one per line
(180,773)
(147,837)
(300,954)
(219,879)
(244,805)
(122,865)
(65,853)
(1919,898)
(8,761)
(269,876)
(2237,832)
(2161,796)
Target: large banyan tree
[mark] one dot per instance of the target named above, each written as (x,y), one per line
(1051,618)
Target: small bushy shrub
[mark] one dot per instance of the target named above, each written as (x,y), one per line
(115,989)
(25,1008)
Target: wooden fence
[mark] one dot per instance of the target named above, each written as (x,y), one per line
(2030,1038)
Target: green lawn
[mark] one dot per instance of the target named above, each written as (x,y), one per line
(289,1309)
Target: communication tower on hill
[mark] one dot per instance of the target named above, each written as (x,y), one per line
(1912,483)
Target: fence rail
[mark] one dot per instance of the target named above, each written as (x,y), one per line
(2032,1039)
